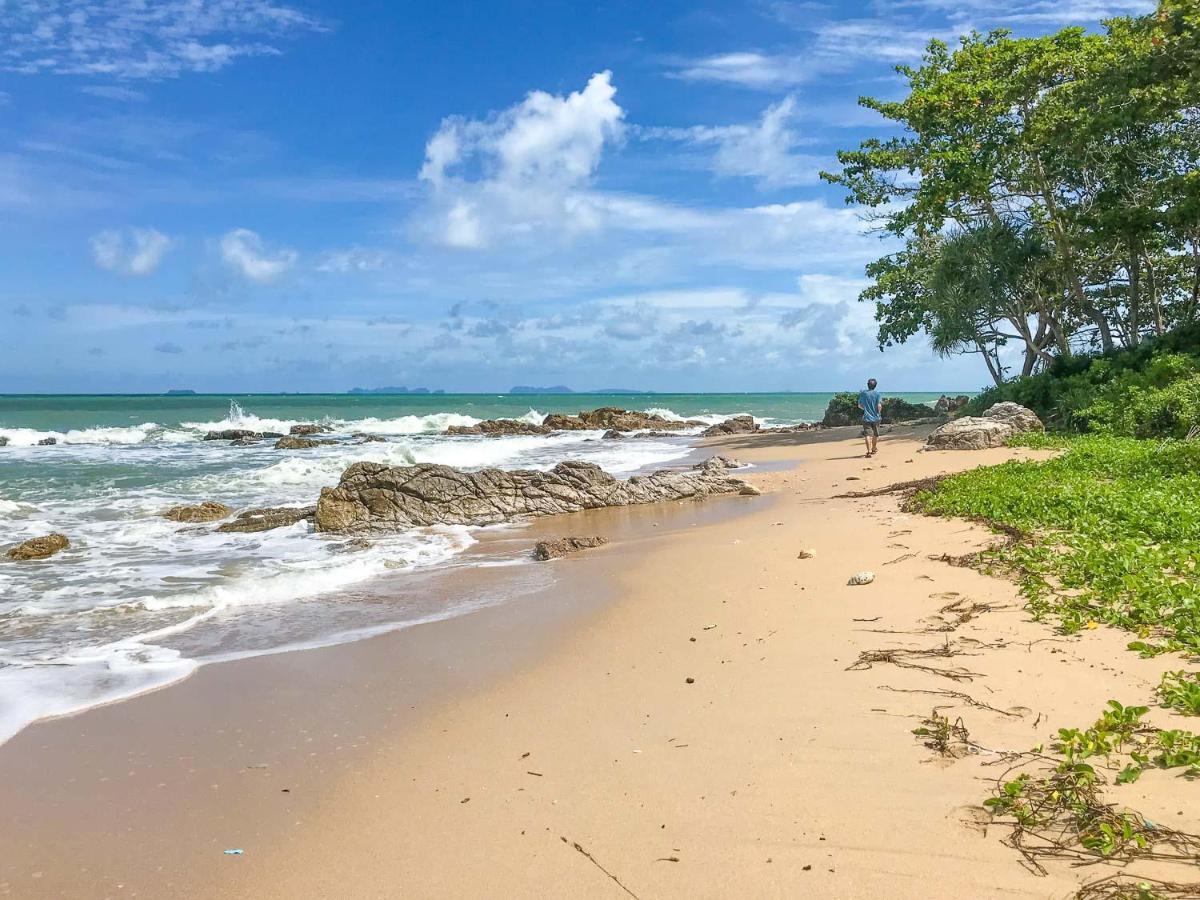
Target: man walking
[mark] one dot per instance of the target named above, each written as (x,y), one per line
(868,402)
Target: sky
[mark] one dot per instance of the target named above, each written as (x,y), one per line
(248,195)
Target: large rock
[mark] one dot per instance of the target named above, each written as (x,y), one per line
(309,428)
(267,518)
(208,511)
(613,418)
(499,427)
(736,425)
(547,550)
(843,410)
(233,434)
(3,440)
(39,547)
(47,442)
(946,405)
(289,442)
(375,497)
(992,429)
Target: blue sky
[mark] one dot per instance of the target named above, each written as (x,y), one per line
(254,195)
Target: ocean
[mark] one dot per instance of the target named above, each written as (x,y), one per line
(139,601)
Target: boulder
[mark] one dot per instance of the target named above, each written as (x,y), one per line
(376,497)
(232,434)
(718,464)
(369,438)
(310,428)
(946,405)
(208,511)
(1016,415)
(992,429)
(266,518)
(612,435)
(546,550)
(498,428)
(843,410)
(47,442)
(613,418)
(736,425)
(3,441)
(897,409)
(39,547)
(246,441)
(288,442)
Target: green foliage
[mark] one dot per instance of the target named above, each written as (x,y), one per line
(1180,691)
(1113,528)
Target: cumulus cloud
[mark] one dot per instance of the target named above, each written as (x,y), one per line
(244,252)
(130,251)
(521,169)
(163,39)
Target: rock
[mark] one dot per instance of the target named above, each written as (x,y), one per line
(861,578)
(301,443)
(1016,415)
(208,511)
(806,553)
(232,434)
(718,464)
(369,438)
(39,547)
(498,428)
(843,410)
(3,441)
(992,429)
(897,409)
(267,518)
(376,497)
(946,405)
(351,546)
(613,418)
(545,550)
(611,435)
(47,442)
(310,428)
(736,425)
(246,441)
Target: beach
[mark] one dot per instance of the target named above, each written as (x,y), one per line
(677,714)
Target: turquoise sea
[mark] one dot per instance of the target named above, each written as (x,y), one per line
(139,601)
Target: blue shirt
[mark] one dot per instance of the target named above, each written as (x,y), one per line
(869,401)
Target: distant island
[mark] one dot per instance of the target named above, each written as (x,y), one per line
(390,389)
(179,392)
(563,389)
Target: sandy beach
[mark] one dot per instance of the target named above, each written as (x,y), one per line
(677,714)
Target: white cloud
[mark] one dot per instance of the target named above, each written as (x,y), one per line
(131,251)
(244,252)
(113,92)
(530,164)
(747,68)
(763,150)
(121,39)
(356,259)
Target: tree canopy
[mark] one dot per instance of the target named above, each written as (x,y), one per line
(1046,190)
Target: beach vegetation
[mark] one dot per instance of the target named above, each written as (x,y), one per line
(1180,691)
(1044,191)
(1107,532)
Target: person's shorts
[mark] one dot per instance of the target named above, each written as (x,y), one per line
(871,428)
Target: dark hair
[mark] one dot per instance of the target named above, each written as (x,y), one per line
(871,382)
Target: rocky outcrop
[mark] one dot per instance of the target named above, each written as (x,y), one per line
(946,405)
(47,442)
(233,434)
(843,410)
(547,550)
(309,428)
(267,518)
(375,497)
(499,427)
(39,547)
(208,511)
(613,418)
(369,438)
(736,425)
(288,442)
(613,435)
(718,464)
(992,429)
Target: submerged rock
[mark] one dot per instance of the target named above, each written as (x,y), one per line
(546,550)
(736,425)
(364,438)
(613,418)
(39,547)
(47,442)
(266,518)
(208,511)
(992,429)
(376,497)
(310,428)
(3,440)
(499,427)
(301,443)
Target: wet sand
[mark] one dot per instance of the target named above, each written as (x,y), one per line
(467,758)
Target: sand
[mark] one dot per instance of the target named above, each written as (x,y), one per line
(672,718)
